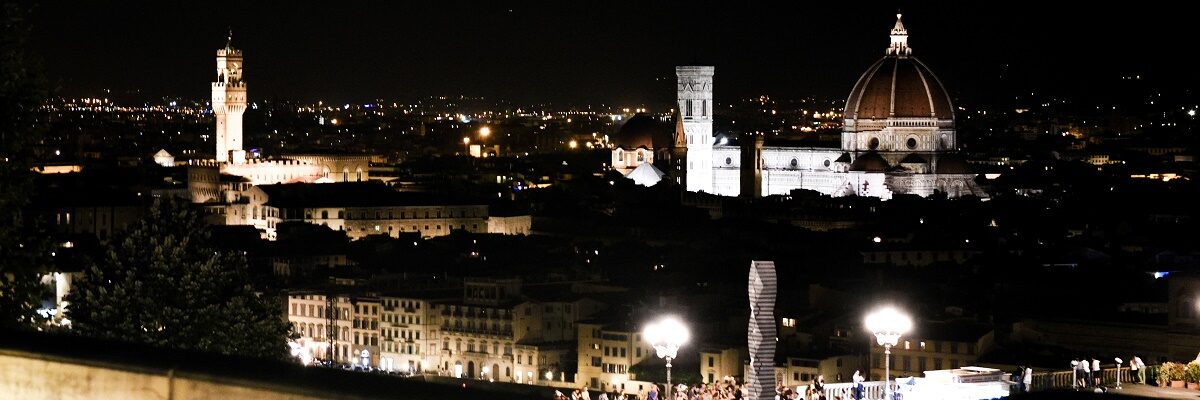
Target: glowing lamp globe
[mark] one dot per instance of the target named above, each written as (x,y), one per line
(888,324)
(666,335)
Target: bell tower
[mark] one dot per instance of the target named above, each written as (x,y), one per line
(228,103)
(695,96)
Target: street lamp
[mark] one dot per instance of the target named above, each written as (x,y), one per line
(666,335)
(888,324)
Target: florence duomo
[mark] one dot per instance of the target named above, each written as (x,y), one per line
(598,201)
(898,138)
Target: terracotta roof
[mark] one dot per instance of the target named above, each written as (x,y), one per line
(870,162)
(898,87)
(643,130)
(913,158)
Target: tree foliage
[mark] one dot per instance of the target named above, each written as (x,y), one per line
(24,251)
(162,283)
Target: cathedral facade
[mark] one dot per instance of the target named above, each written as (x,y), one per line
(898,138)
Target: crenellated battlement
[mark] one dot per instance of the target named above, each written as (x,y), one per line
(234,85)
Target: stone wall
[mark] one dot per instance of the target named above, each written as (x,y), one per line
(33,376)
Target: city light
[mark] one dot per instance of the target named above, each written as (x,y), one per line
(485,132)
(888,324)
(666,336)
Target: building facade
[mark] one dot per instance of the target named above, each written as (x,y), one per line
(606,351)
(898,138)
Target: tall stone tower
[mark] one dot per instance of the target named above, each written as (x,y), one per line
(760,334)
(228,103)
(695,95)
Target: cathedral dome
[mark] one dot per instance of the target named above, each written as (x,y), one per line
(898,86)
(643,130)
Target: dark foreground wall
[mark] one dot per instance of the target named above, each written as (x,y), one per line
(55,366)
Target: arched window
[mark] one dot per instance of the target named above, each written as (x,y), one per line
(911,143)
(794,163)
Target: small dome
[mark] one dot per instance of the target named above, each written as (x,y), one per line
(643,130)
(870,162)
(913,158)
(953,165)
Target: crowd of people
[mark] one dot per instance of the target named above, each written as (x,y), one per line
(727,389)
(1088,372)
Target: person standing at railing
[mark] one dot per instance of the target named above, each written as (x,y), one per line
(1141,369)
(1086,375)
(1097,375)
(1027,379)
(858,386)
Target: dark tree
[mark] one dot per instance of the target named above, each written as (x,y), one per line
(24,250)
(163,283)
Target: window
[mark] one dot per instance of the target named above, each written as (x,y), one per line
(688,109)
(920,363)
(728,161)
(595,361)
(704,108)
(911,143)
(873,143)
(638,351)
(794,163)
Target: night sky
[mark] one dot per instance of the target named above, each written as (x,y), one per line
(594,52)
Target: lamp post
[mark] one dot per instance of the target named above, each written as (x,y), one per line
(666,335)
(888,324)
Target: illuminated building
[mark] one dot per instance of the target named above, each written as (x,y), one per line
(898,138)
(493,332)
(229,104)
(934,346)
(607,349)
